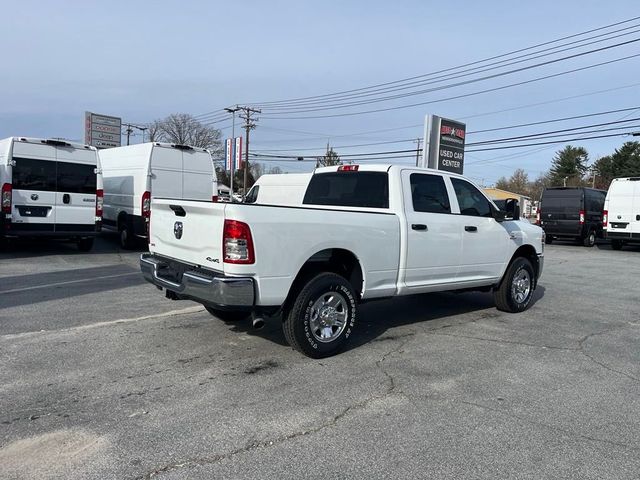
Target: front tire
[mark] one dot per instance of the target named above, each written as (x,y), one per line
(516,288)
(590,239)
(322,317)
(85,244)
(125,236)
(617,244)
(227,315)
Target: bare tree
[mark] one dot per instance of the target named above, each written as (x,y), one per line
(184,129)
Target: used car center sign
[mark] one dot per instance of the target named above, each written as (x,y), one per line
(444,144)
(102,131)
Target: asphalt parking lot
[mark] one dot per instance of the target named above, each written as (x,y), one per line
(101,377)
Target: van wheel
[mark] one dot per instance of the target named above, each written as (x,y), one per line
(589,240)
(617,244)
(516,288)
(125,236)
(85,244)
(227,315)
(322,316)
(548,239)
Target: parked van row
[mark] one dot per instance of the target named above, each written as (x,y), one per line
(68,191)
(584,214)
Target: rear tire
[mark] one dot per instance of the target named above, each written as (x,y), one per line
(85,244)
(228,315)
(322,316)
(125,236)
(617,244)
(590,239)
(548,239)
(516,288)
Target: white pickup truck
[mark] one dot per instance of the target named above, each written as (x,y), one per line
(363,232)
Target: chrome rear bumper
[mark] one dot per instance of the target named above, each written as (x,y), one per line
(204,286)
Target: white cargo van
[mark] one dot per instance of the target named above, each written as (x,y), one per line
(279,189)
(621,221)
(50,188)
(134,173)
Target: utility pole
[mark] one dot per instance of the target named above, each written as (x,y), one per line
(129,130)
(417,140)
(232,111)
(249,125)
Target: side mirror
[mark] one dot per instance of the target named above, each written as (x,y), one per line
(499,215)
(512,209)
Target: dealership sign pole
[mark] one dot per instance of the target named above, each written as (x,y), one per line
(443,144)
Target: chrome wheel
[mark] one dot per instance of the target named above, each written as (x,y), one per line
(521,286)
(328,317)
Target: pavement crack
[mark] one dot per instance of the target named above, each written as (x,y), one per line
(583,351)
(510,342)
(212,459)
(550,427)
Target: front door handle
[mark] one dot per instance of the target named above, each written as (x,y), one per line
(418,226)
(470,228)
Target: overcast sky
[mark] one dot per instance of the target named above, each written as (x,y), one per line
(145,60)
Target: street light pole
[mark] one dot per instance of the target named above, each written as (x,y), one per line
(232,111)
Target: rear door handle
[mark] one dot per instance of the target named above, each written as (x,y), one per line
(418,226)
(470,228)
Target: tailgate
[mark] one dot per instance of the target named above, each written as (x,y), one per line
(189,231)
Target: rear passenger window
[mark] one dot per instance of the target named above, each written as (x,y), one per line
(76,178)
(349,189)
(32,174)
(429,193)
(471,201)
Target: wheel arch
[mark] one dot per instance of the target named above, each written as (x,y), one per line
(340,261)
(528,252)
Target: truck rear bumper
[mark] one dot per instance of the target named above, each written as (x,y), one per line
(204,286)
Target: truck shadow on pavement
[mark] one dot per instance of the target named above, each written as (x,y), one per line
(33,248)
(375,318)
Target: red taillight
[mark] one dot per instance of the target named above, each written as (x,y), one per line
(581,217)
(237,244)
(605,218)
(348,168)
(99,204)
(5,199)
(214,198)
(146,204)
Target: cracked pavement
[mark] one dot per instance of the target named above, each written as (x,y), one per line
(104,378)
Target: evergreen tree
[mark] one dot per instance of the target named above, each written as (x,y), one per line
(569,165)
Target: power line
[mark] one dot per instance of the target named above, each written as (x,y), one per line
(454,68)
(450,69)
(457,97)
(331,104)
(456,84)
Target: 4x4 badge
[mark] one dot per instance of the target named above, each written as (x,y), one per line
(177,230)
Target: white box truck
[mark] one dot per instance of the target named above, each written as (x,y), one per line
(279,189)
(50,189)
(134,173)
(621,220)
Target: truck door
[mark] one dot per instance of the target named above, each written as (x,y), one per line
(484,240)
(434,244)
(76,189)
(34,184)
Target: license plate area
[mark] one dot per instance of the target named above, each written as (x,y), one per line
(28,211)
(619,225)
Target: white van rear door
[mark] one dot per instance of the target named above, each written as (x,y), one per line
(76,185)
(621,205)
(166,172)
(197,176)
(34,185)
(635,215)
